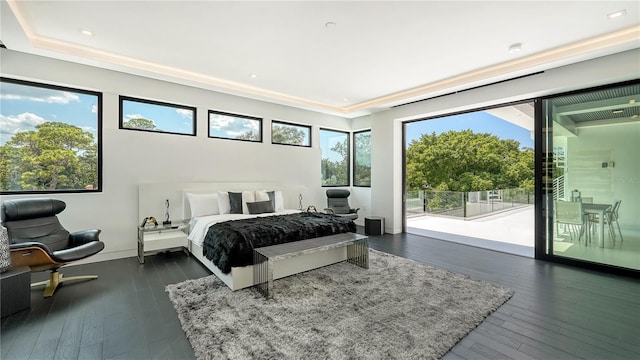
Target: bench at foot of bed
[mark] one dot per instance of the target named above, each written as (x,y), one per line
(265,258)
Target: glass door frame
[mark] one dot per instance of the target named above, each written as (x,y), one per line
(543,141)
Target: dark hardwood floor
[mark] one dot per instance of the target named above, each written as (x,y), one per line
(557,312)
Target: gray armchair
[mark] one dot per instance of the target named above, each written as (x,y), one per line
(38,240)
(338,204)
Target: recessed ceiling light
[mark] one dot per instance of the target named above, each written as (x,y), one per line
(617,112)
(330,24)
(86,32)
(617,14)
(253,76)
(345,99)
(514,48)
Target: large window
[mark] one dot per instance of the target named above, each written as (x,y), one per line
(147,115)
(334,147)
(50,138)
(235,127)
(362,158)
(290,134)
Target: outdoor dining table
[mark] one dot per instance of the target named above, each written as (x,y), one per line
(599,209)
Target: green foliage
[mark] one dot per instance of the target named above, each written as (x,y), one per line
(468,161)
(362,171)
(287,135)
(56,156)
(140,123)
(336,172)
(249,135)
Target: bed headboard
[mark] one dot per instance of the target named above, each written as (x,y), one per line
(152,196)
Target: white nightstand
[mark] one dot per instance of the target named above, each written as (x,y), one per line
(153,239)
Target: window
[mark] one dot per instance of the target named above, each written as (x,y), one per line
(50,139)
(290,134)
(235,127)
(147,115)
(334,147)
(362,158)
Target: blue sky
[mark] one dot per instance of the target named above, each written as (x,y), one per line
(479,122)
(231,127)
(329,139)
(24,107)
(166,118)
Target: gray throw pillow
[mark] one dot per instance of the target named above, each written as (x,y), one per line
(5,254)
(235,201)
(260,207)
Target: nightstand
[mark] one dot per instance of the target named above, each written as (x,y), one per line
(153,239)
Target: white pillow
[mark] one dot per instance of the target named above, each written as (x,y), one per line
(279,200)
(223,202)
(263,195)
(203,204)
(247,196)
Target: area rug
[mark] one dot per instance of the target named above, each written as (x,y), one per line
(397,309)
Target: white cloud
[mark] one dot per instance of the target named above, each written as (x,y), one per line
(128,117)
(94,108)
(13,124)
(45,95)
(185,113)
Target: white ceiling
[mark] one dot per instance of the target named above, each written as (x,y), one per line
(376,55)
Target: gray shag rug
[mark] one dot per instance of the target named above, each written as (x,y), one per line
(397,309)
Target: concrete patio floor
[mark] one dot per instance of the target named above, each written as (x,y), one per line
(510,231)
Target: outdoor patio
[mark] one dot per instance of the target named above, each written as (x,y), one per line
(510,231)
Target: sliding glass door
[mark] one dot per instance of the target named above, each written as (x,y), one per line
(591,175)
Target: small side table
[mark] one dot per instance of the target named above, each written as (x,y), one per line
(15,290)
(374,225)
(161,237)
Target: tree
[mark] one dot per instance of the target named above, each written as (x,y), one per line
(54,156)
(140,123)
(287,135)
(336,172)
(249,135)
(362,171)
(467,161)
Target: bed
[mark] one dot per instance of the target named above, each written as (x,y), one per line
(224,241)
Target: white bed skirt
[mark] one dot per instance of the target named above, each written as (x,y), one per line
(242,277)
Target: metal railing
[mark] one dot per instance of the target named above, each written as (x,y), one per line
(465,204)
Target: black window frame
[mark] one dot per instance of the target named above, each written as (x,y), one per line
(123,98)
(308,127)
(98,139)
(355,159)
(348,160)
(247,117)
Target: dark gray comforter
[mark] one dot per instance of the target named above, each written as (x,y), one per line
(230,244)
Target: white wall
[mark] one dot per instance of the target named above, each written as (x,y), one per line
(386,129)
(133,157)
(619,144)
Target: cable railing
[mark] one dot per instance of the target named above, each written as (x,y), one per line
(465,204)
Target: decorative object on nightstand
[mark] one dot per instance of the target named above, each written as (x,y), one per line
(149,221)
(166,215)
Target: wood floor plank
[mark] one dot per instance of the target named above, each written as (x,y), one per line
(556,312)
